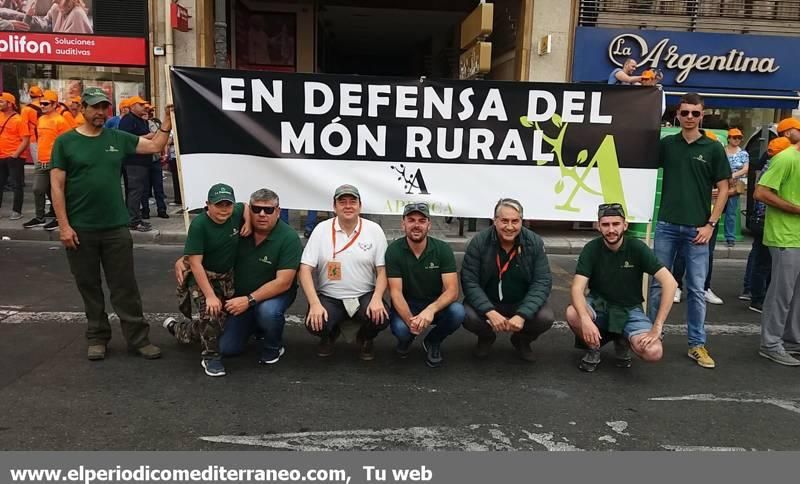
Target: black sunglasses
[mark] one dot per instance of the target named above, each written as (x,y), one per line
(685,113)
(45,103)
(256,209)
(735,137)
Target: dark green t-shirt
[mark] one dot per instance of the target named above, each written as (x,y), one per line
(422,278)
(617,276)
(217,243)
(94,166)
(515,281)
(690,172)
(257,265)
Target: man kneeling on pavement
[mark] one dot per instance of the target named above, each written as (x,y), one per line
(612,266)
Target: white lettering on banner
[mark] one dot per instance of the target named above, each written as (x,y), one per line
(19,44)
(632,45)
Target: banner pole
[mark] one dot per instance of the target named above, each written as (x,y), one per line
(186,220)
(645,279)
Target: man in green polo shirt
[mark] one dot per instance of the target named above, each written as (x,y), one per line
(612,267)
(693,165)
(93,221)
(779,189)
(423,285)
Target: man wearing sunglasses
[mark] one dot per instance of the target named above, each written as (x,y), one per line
(693,165)
(612,267)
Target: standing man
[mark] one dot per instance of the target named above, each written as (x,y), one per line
(155,184)
(624,74)
(693,165)
(14,139)
(51,126)
(30,113)
(347,255)
(779,189)
(93,222)
(137,166)
(113,122)
(75,110)
(423,285)
(612,267)
(506,281)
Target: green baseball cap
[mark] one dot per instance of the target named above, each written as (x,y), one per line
(420,207)
(221,193)
(346,190)
(94,95)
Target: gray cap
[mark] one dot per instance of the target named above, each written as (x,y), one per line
(420,207)
(346,190)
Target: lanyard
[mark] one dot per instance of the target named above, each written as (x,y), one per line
(502,270)
(352,240)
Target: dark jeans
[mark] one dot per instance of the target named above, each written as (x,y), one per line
(679,269)
(113,251)
(41,188)
(267,317)
(338,314)
(138,185)
(176,181)
(759,269)
(12,171)
(445,322)
(156,186)
(532,329)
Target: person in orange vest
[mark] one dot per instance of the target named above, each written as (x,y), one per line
(75,110)
(51,125)
(64,111)
(30,113)
(14,139)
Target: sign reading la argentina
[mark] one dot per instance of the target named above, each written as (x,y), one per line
(666,54)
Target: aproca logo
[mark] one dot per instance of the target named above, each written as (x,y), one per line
(19,44)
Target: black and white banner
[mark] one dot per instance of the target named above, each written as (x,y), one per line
(561,149)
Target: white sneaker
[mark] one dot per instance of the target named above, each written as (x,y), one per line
(677,297)
(15,216)
(712,298)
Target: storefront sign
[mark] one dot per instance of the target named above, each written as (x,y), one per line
(561,149)
(75,49)
(475,61)
(477,25)
(179,17)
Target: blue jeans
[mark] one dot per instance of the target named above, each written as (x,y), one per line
(311,220)
(679,267)
(731,212)
(637,323)
(266,317)
(155,185)
(670,239)
(445,323)
(759,269)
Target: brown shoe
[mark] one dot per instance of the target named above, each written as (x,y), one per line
(149,352)
(325,348)
(96,352)
(483,347)
(523,347)
(367,350)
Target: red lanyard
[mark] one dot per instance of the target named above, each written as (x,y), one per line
(351,242)
(502,270)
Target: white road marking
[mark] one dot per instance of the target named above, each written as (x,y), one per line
(701,448)
(546,440)
(607,438)
(618,426)
(789,405)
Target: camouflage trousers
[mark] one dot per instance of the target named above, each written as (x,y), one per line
(205,328)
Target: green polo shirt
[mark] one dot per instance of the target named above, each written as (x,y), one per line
(217,243)
(690,173)
(782,229)
(515,281)
(617,276)
(422,278)
(259,264)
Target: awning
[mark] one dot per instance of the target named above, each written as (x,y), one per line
(732,98)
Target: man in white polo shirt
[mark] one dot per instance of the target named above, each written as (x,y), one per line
(346,253)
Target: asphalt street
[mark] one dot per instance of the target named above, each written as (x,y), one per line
(52,398)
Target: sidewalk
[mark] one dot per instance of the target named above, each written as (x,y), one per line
(172,231)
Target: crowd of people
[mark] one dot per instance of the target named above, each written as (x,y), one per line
(242,265)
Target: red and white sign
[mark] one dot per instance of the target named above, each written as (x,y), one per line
(180,17)
(73,49)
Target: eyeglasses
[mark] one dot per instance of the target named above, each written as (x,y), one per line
(257,209)
(610,209)
(695,114)
(735,137)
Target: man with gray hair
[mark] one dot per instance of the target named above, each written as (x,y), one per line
(506,281)
(265,282)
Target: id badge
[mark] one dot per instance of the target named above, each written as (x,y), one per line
(334,270)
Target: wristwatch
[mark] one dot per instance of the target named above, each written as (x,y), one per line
(712,224)
(251,301)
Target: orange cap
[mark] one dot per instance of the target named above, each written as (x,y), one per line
(51,96)
(787,124)
(135,100)
(649,74)
(35,91)
(735,132)
(8,97)
(777,145)
(75,99)
(712,135)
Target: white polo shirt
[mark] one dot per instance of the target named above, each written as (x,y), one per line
(358,262)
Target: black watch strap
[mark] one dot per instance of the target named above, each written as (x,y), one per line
(251,300)
(712,224)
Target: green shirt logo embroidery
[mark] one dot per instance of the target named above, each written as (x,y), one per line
(432,266)
(112,149)
(628,265)
(265,260)
(700,158)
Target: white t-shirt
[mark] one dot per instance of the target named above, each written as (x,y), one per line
(358,262)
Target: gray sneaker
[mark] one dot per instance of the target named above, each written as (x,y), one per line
(590,361)
(792,350)
(780,357)
(15,216)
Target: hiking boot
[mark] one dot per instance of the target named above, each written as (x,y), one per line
(701,356)
(622,352)
(404,347)
(149,352)
(780,357)
(367,350)
(756,307)
(51,225)
(523,347)
(96,352)
(34,222)
(15,216)
(433,353)
(590,361)
(169,324)
(483,347)
(271,356)
(213,366)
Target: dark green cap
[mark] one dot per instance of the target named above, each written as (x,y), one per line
(420,207)
(346,190)
(94,95)
(220,193)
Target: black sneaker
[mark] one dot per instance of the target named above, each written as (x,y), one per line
(756,307)
(163,215)
(50,214)
(483,347)
(523,347)
(367,352)
(51,225)
(404,347)
(590,361)
(433,353)
(146,216)
(326,345)
(34,222)
(169,324)
(213,366)
(271,356)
